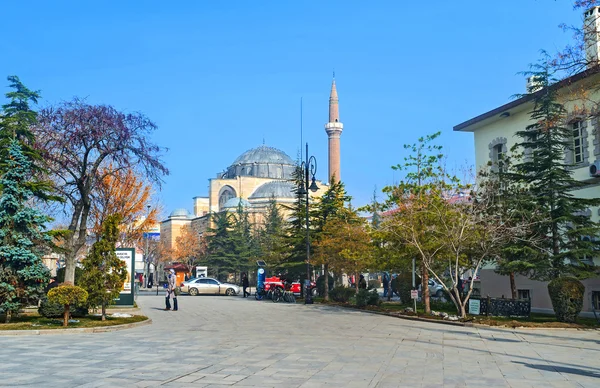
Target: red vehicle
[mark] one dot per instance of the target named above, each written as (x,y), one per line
(295,287)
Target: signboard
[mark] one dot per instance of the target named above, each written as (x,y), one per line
(414,294)
(152,236)
(127,295)
(201,271)
(474,306)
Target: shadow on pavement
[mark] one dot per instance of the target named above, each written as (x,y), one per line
(560,369)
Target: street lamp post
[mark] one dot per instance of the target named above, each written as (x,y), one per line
(309,168)
(146,261)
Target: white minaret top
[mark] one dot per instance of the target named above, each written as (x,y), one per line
(334,129)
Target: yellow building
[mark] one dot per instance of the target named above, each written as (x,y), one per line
(495,133)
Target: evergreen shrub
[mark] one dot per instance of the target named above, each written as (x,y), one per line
(566,294)
(321,282)
(56,310)
(367,298)
(342,294)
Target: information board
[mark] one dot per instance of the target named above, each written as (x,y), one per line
(474,306)
(127,293)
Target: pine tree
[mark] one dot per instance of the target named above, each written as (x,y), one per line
(294,262)
(16,120)
(103,272)
(222,255)
(23,276)
(550,184)
(272,247)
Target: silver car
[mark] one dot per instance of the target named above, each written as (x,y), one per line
(209,286)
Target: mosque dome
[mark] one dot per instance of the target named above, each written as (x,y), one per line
(262,162)
(179,213)
(233,203)
(277,189)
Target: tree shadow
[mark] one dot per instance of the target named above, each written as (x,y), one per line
(560,369)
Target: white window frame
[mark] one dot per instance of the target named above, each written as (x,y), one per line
(578,139)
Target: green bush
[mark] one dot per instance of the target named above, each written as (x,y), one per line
(55,310)
(403,285)
(566,294)
(342,294)
(321,282)
(367,298)
(375,283)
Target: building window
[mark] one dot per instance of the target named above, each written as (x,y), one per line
(596,300)
(523,294)
(577,128)
(497,153)
(499,156)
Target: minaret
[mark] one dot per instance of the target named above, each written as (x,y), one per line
(334,129)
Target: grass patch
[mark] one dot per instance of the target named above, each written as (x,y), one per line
(38,322)
(536,320)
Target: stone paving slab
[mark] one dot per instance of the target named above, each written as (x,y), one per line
(236,342)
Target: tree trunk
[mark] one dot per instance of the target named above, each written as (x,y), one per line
(513,286)
(7,317)
(103,311)
(462,312)
(425,289)
(66,316)
(326,283)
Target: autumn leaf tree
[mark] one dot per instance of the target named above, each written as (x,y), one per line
(329,206)
(190,247)
(124,192)
(78,142)
(345,244)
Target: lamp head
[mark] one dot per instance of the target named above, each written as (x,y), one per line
(301,190)
(313,186)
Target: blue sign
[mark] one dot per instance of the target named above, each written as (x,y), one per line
(152,236)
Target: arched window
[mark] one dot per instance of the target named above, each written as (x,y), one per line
(226,194)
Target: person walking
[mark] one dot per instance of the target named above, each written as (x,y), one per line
(171,284)
(386,284)
(245,284)
(362,283)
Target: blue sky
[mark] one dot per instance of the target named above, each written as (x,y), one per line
(218,77)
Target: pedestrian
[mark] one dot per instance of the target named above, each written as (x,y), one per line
(362,283)
(171,285)
(245,284)
(386,284)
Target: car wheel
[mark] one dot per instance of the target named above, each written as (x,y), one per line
(193,291)
(439,293)
(314,291)
(230,292)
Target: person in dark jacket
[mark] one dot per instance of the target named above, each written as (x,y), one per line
(245,284)
(362,283)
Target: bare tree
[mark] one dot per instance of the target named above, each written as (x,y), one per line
(78,142)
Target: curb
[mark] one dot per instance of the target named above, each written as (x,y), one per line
(82,330)
(466,324)
(407,317)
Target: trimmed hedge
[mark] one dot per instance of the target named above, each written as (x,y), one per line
(566,294)
(342,294)
(55,310)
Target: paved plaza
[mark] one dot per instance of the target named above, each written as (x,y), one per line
(231,341)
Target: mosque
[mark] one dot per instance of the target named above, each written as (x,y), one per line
(252,180)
